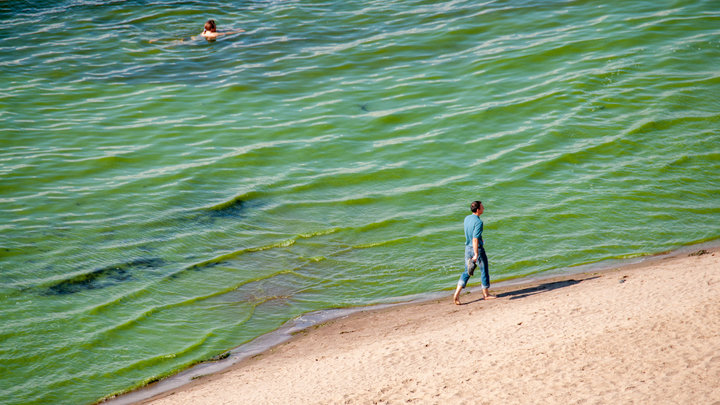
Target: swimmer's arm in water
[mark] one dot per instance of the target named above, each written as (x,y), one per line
(208,34)
(173,41)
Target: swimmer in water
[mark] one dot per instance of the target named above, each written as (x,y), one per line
(210,30)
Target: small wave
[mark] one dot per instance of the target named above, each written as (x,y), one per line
(398,140)
(147,313)
(101,278)
(156,360)
(381,243)
(219,260)
(284,243)
(232,207)
(318,233)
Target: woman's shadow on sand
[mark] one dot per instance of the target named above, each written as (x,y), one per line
(526,292)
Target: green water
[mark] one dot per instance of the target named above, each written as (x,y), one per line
(165,201)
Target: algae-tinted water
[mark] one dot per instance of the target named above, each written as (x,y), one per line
(166,198)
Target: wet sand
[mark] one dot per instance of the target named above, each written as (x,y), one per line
(647,333)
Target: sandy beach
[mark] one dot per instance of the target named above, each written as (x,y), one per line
(643,334)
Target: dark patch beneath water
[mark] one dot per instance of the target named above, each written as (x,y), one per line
(235,209)
(232,209)
(209,216)
(198,267)
(102,277)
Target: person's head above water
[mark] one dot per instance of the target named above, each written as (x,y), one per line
(210,26)
(210,31)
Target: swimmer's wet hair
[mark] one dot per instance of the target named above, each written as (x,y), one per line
(210,26)
(475,206)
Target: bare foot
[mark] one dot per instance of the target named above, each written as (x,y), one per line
(456,296)
(490,297)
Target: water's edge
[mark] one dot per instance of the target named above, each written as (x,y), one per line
(290,328)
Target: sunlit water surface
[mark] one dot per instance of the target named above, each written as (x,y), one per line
(165,198)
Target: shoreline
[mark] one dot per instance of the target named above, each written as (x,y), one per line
(297,331)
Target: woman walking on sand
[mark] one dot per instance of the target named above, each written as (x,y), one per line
(474,253)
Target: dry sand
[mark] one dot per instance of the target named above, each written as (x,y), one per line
(643,335)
